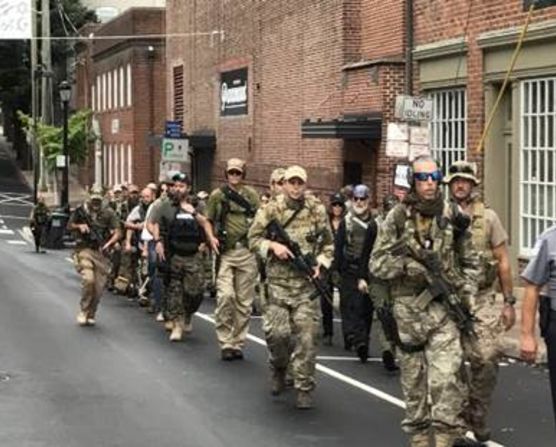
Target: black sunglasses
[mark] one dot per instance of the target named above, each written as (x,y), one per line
(359,199)
(234,172)
(435,176)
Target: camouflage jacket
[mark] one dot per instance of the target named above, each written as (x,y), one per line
(310,229)
(404,272)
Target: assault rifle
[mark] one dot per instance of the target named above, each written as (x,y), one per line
(238,199)
(94,236)
(440,287)
(303,263)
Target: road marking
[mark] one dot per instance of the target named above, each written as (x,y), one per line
(344,378)
(26,234)
(17,242)
(5,216)
(6,231)
(14,198)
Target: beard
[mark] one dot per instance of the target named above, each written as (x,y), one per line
(360,210)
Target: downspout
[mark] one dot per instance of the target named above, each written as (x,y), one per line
(151,56)
(408,78)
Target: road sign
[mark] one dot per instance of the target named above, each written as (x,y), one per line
(173,129)
(413,108)
(60,161)
(175,150)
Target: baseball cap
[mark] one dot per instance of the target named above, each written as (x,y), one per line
(295,172)
(337,198)
(96,193)
(462,169)
(180,177)
(235,163)
(277,175)
(361,191)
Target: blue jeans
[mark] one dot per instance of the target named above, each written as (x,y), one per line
(156,283)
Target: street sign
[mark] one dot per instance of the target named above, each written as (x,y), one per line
(413,108)
(173,129)
(175,150)
(15,19)
(60,161)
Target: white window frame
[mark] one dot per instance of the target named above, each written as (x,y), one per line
(109,82)
(122,87)
(99,93)
(93,98)
(103,92)
(129,164)
(129,86)
(448,127)
(116,92)
(122,164)
(110,165)
(537,177)
(105,178)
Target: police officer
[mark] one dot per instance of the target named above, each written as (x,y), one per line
(540,292)
(40,216)
(490,243)
(354,242)
(291,309)
(178,231)
(231,209)
(416,234)
(96,230)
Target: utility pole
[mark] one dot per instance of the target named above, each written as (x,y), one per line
(34,99)
(47,103)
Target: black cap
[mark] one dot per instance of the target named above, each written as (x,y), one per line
(180,177)
(337,198)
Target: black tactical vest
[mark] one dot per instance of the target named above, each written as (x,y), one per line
(184,234)
(355,237)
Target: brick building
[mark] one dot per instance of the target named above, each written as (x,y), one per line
(123,81)
(461,56)
(288,82)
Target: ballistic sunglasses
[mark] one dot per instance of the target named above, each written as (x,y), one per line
(435,176)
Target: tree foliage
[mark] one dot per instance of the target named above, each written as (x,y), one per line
(50,138)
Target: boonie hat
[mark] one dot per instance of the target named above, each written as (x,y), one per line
(235,163)
(461,169)
(296,172)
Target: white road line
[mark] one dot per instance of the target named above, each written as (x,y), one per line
(1,221)
(6,231)
(69,260)
(17,242)
(5,216)
(26,234)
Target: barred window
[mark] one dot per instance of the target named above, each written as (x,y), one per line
(449,126)
(538,160)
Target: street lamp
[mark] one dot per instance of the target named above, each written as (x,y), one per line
(65,96)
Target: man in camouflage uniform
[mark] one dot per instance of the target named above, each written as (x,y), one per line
(276,181)
(178,231)
(490,242)
(237,270)
(292,309)
(96,230)
(422,230)
(118,203)
(38,223)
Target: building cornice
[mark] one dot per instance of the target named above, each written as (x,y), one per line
(508,36)
(449,47)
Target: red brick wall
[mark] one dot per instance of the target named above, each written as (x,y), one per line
(383,28)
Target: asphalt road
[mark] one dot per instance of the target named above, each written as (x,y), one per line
(122,383)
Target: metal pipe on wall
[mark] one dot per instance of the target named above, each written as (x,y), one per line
(408,78)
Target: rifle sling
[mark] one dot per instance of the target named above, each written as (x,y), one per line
(242,203)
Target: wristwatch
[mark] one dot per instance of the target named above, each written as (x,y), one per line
(509,299)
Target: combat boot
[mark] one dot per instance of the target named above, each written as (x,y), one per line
(188,327)
(177,330)
(168,325)
(389,362)
(82,318)
(277,382)
(420,439)
(466,442)
(304,400)
(91,321)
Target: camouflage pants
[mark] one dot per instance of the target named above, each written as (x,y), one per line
(185,288)
(235,286)
(483,355)
(379,293)
(93,268)
(431,379)
(291,315)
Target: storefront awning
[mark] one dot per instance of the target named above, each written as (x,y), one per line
(347,128)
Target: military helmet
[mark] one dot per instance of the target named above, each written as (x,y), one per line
(462,169)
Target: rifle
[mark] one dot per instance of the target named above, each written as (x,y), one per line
(302,263)
(94,236)
(440,287)
(238,199)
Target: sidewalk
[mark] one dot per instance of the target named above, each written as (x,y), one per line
(77,194)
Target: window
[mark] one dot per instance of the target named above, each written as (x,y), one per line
(178,93)
(103,92)
(538,160)
(449,126)
(105,160)
(99,94)
(129,86)
(116,93)
(109,81)
(122,87)
(538,4)
(122,164)
(129,164)
(92,100)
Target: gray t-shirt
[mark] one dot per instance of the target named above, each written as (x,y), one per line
(541,269)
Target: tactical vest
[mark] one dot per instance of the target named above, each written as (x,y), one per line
(184,234)
(41,215)
(356,234)
(488,264)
